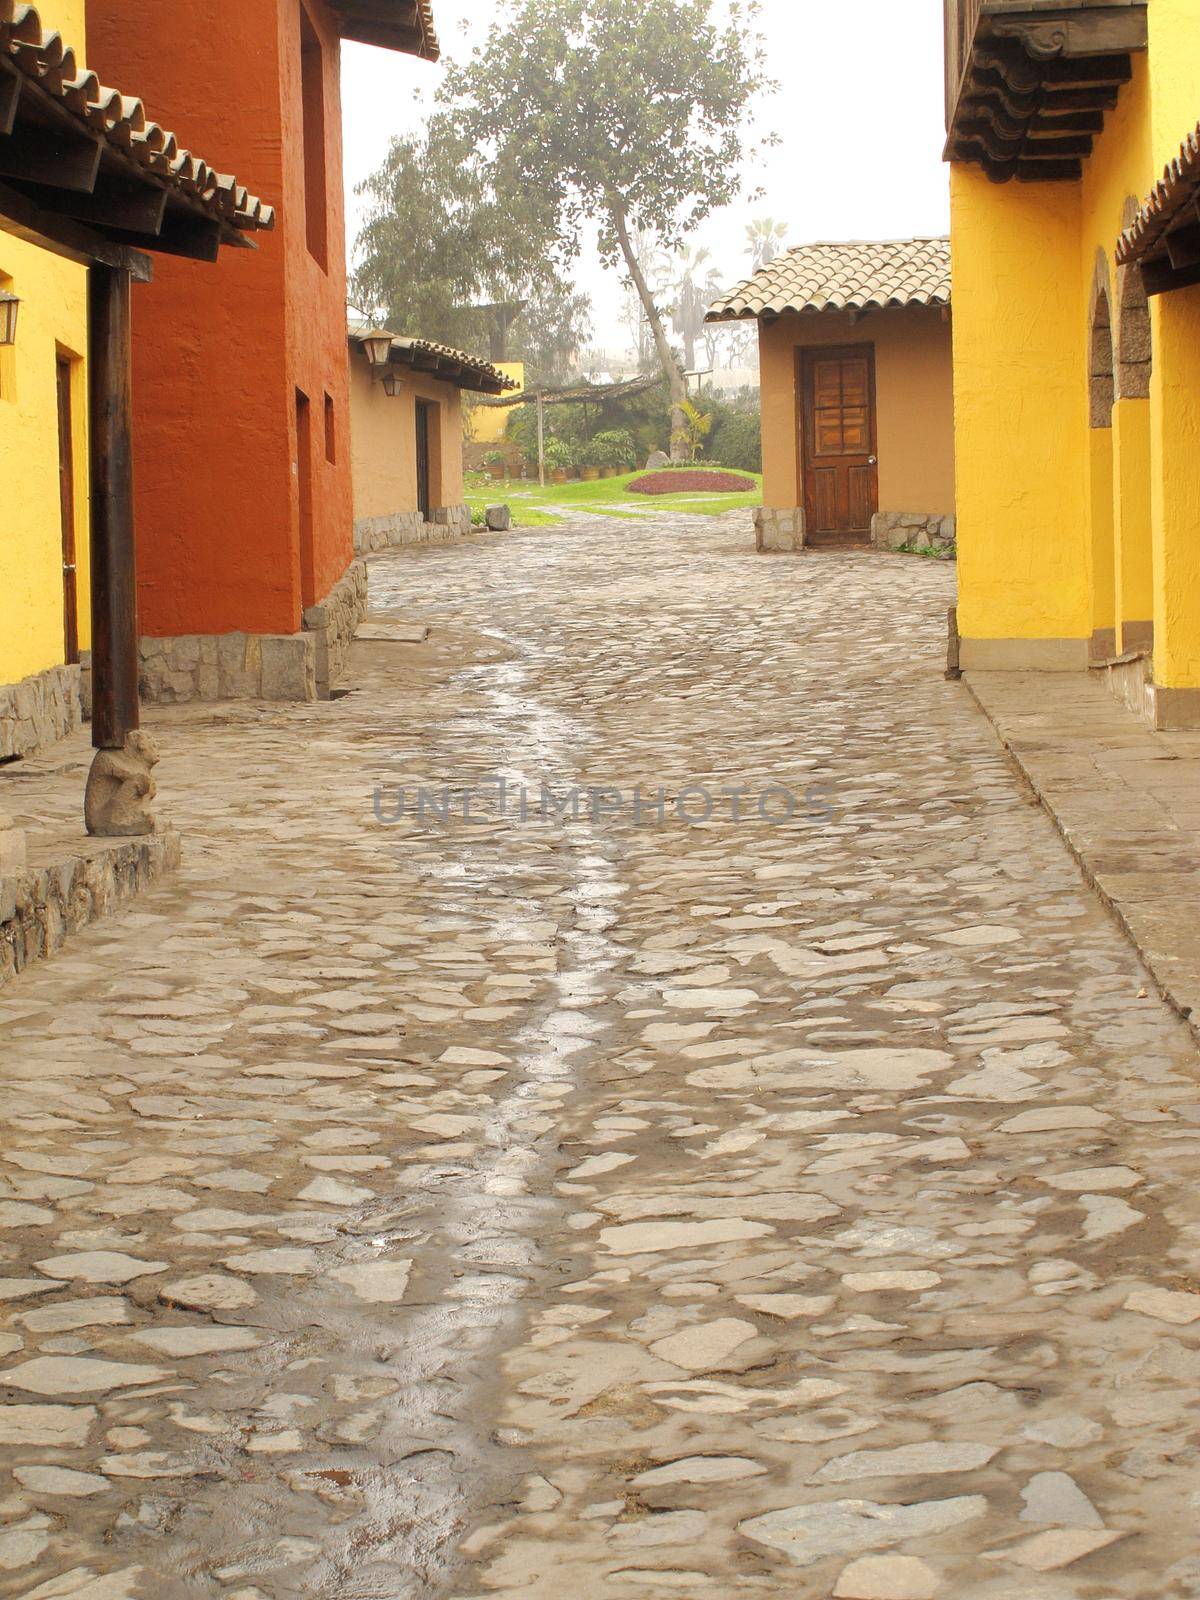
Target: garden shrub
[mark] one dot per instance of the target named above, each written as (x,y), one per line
(691,480)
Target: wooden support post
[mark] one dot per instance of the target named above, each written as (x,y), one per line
(541,440)
(114,577)
(120,787)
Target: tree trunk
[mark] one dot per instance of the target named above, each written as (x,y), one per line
(666,359)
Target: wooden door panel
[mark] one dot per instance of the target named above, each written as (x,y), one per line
(838,433)
(860,497)
(824,514)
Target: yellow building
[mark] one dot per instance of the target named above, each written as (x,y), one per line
(1077,341)
(406,436)
(489,422)
(44,588)
(857,393)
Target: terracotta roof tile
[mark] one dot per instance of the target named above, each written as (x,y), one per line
(405,25)
(843,277)
(43,57)
(1178,192)
(442,360)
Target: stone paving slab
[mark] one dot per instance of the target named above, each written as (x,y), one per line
(1127,801)
(401,1204)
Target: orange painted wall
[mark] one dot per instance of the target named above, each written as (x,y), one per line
(221,349)
(914,396)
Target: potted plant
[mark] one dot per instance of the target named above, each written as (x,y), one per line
(612,450)
(590,462)
(497,463)
(558,460)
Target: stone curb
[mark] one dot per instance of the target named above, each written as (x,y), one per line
(1174,980)
(46,905)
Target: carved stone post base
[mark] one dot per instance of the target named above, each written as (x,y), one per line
(120,787)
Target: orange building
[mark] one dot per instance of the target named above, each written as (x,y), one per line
(246,576)
(857,394)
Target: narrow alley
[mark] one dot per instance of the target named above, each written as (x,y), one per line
(614,1199)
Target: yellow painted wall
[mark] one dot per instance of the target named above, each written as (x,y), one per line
(1065,528)
(1132,532)
(488,422)
(383,443)
(1175,474)
(52,319)
(1020,411)
(1175,384)
(914,395)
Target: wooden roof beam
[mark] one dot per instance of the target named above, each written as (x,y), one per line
(1160,277)
(56,158)
(24,218)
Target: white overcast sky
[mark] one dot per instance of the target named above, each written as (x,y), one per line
(859,115)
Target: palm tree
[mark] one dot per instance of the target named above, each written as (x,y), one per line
(764,240)
(695,289)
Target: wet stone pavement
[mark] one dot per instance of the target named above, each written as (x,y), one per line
(604,1206)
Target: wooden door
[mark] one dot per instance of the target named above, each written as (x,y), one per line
(66,496)
(838,443)
(423,458)
(304,486)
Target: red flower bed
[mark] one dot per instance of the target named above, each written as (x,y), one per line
(696,480)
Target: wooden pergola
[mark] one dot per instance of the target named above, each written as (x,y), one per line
(85,174)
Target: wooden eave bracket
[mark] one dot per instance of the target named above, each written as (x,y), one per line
(1036,86)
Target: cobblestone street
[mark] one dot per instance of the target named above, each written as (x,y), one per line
(396,1207)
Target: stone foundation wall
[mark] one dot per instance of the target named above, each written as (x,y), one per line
(1130,680)
(333,624)
(892,530)
(778,530)
(372,534)
(40,908)
(228,666)
(39,711)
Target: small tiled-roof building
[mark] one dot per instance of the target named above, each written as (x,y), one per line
(406,427)
(857,392)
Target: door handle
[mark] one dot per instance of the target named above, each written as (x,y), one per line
(872,461)
(68,566)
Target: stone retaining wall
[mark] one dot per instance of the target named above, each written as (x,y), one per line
(892,530)
(39,711)
(372,534)
(41,907)
(333,624)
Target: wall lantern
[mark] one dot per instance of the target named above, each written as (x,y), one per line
(9,305)
(377,347)
(393,384)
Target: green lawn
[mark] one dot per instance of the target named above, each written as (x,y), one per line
(535,507)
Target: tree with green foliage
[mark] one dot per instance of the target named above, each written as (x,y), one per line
(449,252)
(627,117)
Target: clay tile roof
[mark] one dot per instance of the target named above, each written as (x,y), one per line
(405,25)
(44,58)
(1176,194)
(856,276)
(445,363)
